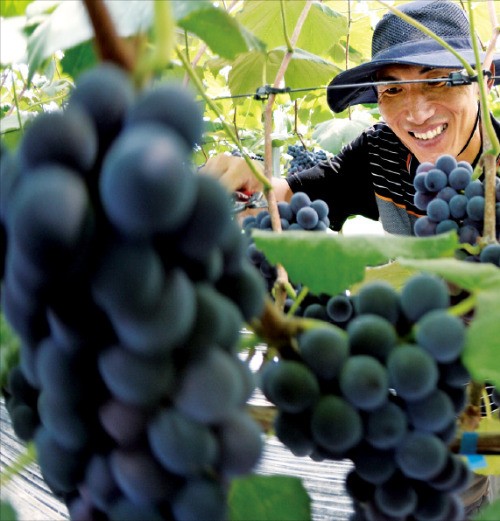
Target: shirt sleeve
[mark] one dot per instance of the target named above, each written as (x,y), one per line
(343,182)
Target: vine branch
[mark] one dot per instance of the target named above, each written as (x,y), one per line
(110,47)
(282,276)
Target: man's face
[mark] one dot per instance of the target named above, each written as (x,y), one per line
(431,119)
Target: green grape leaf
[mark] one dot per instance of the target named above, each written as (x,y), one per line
(483,333)
(489,513)
(483,280)
(268,498)
(79,58)
(393,273)
(304,71)
(471,276)
(264,18)
(7,512)
(328,263)
(220,31)
(10,8)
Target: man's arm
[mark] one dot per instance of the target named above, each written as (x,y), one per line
(234,173)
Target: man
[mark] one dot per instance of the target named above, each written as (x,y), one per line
(373,175)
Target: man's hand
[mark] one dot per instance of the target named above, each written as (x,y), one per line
(233,172)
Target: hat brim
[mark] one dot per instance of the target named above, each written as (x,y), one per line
(340,98)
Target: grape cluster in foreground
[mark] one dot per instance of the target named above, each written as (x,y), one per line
(452,200)
(384,393)
(127,282)
(303,159)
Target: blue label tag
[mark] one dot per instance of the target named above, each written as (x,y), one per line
(476,461)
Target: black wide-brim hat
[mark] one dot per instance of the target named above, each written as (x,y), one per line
(396,42)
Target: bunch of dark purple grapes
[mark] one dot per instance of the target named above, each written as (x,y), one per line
(306,215)
(127,283)
(302,159)
(384,393)
(299,214)
(453,200)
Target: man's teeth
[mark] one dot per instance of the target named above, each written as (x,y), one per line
(431,133)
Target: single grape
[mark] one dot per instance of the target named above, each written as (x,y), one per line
(66,139)
(442,335)
(285,210)
(422,199)
(241,444)
(210,388)
(438,210)
(474,188)
(290,385)
(171,105)
(321,208)
(181,445)
(340,308)
(307,217)
(373,465)
(424,227)
(386,426)
(432,413)
(100,483)
(325,350)
(490,253)
(363,381)
(475,207)
(447,193)
(379,298)
(371,335)
(423,293)
(413,373)
(61,468)
(146,186)
(106,93)
(447,225)
(419,182)
(424,167)
(421,455)
(140,477)
(396,497)
(459,178)
(125,423)
(133,379)
(200,500)
(435,180)
(299,200)
(294,431)
(336,425)
(446,163)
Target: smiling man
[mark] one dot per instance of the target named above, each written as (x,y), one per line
(423,117)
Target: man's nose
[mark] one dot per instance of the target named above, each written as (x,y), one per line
(419,108)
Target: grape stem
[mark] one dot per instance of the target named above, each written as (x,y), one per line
(110,47)
(491,145)
(464,306)
(280,331)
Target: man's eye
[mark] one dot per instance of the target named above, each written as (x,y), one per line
(437,84)
(391,91)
